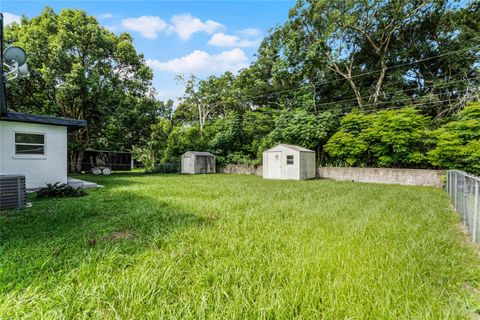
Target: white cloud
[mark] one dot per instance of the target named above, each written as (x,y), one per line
(200,62)
(250,32)
(185,25)
(10,18)
(106,16)
(230,41)
(111,28)
(147,26)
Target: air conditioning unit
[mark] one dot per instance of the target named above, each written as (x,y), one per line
(12,191)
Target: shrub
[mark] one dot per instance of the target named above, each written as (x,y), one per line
(348,146)
(59,190)
(457,143)
(397,137)
(388,138)
(302,128)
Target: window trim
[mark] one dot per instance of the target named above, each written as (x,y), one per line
(293,159)
(30,156)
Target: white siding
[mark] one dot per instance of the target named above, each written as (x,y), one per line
(38,170)
(290,171)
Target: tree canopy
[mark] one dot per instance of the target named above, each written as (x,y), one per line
(361,82)
(81,70)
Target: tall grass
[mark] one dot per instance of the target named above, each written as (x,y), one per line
(237,247)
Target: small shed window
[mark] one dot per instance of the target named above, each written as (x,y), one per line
(29,143)
(289,159)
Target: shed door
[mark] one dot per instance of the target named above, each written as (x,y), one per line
(274,164)
(202,165)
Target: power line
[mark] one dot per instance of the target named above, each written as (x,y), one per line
(381,103)
(419,105)
(403,91)
(361,74)
(245,98)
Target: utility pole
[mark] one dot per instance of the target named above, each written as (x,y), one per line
(3,100)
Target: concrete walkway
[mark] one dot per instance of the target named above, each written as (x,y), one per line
(77,183)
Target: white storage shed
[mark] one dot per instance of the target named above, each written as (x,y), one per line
(194,162)
(288,162)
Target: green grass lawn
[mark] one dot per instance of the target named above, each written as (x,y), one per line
(237,247)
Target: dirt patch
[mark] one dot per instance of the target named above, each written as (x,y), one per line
(121,235)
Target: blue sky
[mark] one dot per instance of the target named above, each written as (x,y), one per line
(178,37)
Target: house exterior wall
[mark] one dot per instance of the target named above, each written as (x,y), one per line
(38,169)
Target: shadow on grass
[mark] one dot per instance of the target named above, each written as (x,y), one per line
(58,235)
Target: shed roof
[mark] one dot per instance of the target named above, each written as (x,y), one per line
(72,124)
(291,147)
(199,153)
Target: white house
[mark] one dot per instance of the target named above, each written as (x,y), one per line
(288,162)
(35,146)
(194,162)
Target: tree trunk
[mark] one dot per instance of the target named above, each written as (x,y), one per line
(78,140)
(76,159)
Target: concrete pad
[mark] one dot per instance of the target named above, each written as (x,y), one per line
(77,183)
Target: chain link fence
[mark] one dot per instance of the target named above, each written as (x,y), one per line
(464,190)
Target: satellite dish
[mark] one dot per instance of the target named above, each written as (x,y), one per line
(14,53)
(23,70)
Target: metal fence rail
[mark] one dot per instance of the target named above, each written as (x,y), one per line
(463,190)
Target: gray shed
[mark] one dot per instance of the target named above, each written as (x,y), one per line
(288,162)
(194,162)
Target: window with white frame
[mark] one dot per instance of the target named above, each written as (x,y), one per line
(27,144)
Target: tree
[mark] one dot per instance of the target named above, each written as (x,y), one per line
(204,99)
(397,137)
(375,54)
(348,146)
(81,70)
(302,128)
(349,37)
(456,144)
(388,138)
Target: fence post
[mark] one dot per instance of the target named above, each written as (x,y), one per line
(448,182)
(475,211)
(455,185)
(465,202)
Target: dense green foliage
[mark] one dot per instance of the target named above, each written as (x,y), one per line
(348,146)
(237,247)
(390,138)
(330,58)
(405,138)
(457,143)
(81,70)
